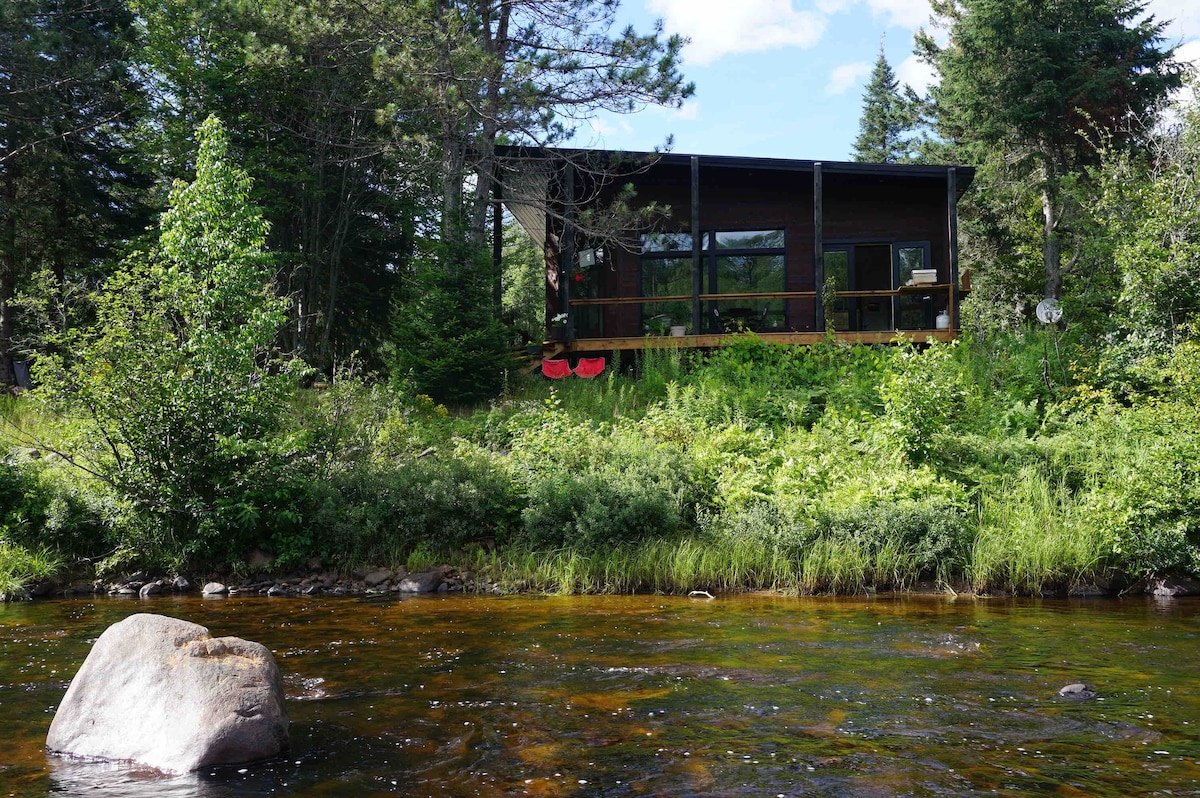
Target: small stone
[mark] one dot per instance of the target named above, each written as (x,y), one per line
(277,590)
(378,577)
(151,589)
(1078,690)
(214,589)
(41,589)
(420,583)
(1173,586)
(181,585)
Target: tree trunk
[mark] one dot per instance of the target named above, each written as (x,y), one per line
(8,280)
(1051,249)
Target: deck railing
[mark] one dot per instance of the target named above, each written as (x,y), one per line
(906,290)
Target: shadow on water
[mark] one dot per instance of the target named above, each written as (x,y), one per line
(662,696)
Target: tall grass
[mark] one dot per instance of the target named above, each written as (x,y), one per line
(20,568)
(1033,536)
(656,566)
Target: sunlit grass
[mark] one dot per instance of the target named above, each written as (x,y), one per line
(20,568)
(1032,537)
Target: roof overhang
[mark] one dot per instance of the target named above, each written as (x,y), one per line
(638,161)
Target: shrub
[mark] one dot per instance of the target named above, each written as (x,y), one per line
(592,510)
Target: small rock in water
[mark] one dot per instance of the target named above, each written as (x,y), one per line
(1077,690)
(214,589)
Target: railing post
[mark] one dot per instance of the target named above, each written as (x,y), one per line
(952,242)
(818,245)
(566,251)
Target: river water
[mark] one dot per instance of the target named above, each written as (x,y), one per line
(662,696)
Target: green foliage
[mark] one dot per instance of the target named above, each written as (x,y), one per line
(20,567)
(174,395)
(70,188)
(887,118)
(1149,214)
(524,284)
(1034,535)
(448,341)
(1024,86)
(381,512)
(926,393)
(593,510)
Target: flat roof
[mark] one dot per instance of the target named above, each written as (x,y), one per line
(964,175)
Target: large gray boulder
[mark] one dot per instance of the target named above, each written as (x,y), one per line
(164,693)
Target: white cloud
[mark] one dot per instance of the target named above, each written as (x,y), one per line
(914,72)
(1189,53)
(846,77)
(1182,23)
(719,27)
(910,14)
(688,111)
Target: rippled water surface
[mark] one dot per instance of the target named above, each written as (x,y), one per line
(663,696)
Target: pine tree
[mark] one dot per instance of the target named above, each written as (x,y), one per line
(886,119)
(1028,85)
(67,100)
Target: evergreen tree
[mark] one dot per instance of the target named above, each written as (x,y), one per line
(887,118)
(67,101)
(1027,85)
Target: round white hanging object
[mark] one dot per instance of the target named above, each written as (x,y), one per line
(1049,311)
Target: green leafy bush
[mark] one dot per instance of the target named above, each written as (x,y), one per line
(592,510)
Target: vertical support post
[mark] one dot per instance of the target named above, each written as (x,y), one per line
(819,244)
(952,241)
(566,250)
(697,273)
(497,242)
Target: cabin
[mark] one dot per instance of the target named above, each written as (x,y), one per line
(791,250)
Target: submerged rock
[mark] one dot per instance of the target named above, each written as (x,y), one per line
(164,693)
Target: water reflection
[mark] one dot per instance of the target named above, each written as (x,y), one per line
(629,696)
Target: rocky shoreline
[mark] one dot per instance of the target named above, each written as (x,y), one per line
(315,582)
(321,581)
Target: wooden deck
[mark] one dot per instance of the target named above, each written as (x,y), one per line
(709,340)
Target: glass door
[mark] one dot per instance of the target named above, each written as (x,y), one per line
(859,267)
(913,310)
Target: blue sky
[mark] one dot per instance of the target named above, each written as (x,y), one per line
(785,78)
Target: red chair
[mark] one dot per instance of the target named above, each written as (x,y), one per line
(556,369)
(589,367)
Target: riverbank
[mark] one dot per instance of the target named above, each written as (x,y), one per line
(827,469)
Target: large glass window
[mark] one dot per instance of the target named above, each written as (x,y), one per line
(748,262)
(666,277)
(734,262)
(881,267)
